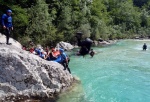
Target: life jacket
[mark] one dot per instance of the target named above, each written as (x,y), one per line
(7,21)
(55,53)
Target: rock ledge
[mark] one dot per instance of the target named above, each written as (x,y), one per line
(26,75)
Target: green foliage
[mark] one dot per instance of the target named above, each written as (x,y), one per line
(24,40)
(20,18)
(49,21)
(39,22)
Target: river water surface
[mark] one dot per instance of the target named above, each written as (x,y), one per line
(117,73)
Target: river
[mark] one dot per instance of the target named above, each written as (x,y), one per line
(117,73)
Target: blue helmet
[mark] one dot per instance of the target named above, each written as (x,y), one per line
(61,50)
(9,11)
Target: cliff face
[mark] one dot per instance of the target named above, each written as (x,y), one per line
(25,74)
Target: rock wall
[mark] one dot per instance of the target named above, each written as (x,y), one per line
(25,74)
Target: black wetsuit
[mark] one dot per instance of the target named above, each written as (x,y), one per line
(84,51)
(144,47)
(65,63)
(7,22)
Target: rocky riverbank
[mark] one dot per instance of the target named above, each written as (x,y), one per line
(24,76)
(104,42)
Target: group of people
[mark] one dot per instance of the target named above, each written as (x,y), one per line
(57,55)
(51,54)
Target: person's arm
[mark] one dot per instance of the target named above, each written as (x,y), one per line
(3,21)
(10,23)
(46,56)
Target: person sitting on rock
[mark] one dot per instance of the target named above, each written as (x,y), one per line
(53,56)
(43,55)
(38,50)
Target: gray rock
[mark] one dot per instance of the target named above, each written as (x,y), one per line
(64,45)
(11,40)
(23,73)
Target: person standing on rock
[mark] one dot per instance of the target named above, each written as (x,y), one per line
(7,25)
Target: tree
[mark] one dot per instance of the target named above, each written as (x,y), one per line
(39,21)
(20,19)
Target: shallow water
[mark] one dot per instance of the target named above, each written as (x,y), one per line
(118,73)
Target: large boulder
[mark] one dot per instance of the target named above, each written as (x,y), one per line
(27,75)
(64,45)
(11,40)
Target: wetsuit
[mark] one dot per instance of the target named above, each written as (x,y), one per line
(144,47)
(65,61)
(7,22)
(83,51)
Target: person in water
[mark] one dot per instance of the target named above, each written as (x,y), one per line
(92,53)
(64,60)
(144,47)
(7,25)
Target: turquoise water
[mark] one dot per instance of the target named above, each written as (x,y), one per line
(117,73)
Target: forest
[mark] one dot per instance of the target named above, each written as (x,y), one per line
(49,21)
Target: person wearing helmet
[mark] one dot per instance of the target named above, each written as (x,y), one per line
(64,60)
(7,25)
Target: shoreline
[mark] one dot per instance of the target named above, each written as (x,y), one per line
(142,39)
